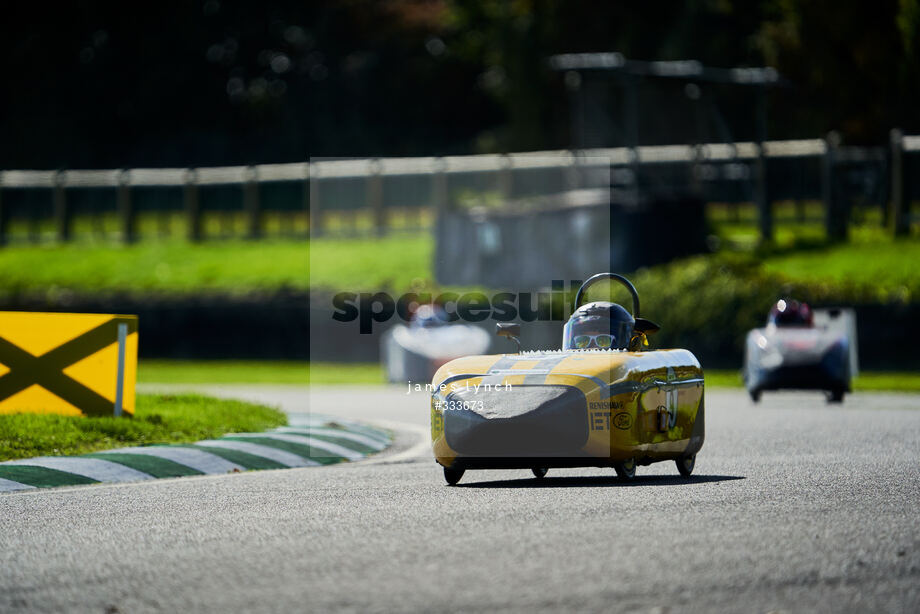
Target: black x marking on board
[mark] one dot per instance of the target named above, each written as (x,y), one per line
(47,370)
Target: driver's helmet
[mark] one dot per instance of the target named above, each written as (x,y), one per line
(429,316)
(600,325)
(788,312)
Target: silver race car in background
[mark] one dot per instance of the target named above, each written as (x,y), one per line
(804,349)
(413,352)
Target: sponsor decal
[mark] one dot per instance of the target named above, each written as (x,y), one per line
(622,421)
(605,405)
(600,420)
(437,419)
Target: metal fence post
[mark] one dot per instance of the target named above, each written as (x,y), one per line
(735,207)
(316,211)
(694,170)
(761,197)
(61,211)
(439,188)
(572,172)
(192,205)
(800,212)
(306,193)
(252,203)
(631,127)
(374,197)
(898,220)
(835,223)
(4,217)
(506,178)
(126,208)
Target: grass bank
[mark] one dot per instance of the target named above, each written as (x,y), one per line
(868,381)
(365,374)
(887,264)
(158,419)
(706,302)
(389,263)
(234,267)
(168,267)
(257,372)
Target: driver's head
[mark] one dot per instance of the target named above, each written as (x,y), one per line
(429,316)
(789,312)
(599,325)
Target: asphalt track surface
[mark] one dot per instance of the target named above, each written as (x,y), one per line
(795,506)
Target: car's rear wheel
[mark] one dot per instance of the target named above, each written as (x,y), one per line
(452,476)
(539,472)
(685,465)
(755,395)
(835,396)
(626,470)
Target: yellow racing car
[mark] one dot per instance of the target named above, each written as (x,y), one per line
(603,400)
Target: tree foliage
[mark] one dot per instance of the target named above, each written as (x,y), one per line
(105,83)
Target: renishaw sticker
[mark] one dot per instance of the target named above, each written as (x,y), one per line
(605,405)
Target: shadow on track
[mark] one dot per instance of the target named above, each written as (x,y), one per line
(600,480)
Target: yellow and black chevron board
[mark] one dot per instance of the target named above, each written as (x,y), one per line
(75,364)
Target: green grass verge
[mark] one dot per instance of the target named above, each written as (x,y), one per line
(868,381)
(157,419)
(892,381)
(173,267)
(233,266)
(394,263)
(257,372)
(328,373)
(722,378)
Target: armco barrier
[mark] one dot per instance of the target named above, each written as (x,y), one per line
(374,189)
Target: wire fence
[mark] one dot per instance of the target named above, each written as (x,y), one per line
(361,197)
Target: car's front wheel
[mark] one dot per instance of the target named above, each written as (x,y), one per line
(452,476)
(685,465)
(626,470)
(539,472)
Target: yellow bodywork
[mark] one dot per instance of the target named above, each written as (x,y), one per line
(640,405)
